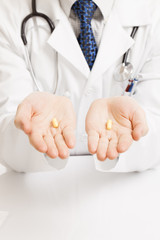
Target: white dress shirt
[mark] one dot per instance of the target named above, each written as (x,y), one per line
(99,18)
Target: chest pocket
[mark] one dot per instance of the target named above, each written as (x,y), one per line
(138,56)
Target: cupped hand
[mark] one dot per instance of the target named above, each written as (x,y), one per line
(129,123)
(34,116)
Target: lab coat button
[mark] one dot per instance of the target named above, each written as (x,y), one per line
(67,94)
(90,91)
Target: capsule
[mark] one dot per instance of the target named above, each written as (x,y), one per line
(109,124)
(55,123)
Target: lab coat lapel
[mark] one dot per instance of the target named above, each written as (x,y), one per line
(64,41)
(115,42)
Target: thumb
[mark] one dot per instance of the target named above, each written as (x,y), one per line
(139,124)
(23,117)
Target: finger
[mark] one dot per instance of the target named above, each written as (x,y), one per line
(124,142)
(62,148)
(93,138)
(112,148)
(38,142)
(53,131)
(139,131)
(23,117)
(69,136)
(102,148)
(51,147)
(139,124)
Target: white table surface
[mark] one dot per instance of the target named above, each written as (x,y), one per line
(80,203)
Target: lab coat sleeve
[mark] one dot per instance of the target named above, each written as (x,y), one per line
(15,84)
(144,154)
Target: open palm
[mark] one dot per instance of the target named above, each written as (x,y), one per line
(34,116)
(129,123)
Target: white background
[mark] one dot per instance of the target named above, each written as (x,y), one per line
(80,203)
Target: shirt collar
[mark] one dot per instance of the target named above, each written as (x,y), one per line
(104,5)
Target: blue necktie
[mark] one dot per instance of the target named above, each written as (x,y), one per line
(85,9)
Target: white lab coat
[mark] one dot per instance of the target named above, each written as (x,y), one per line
(57,59)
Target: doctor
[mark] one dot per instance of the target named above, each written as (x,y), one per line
(80,90)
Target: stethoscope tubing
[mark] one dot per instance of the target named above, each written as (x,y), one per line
(133,33)
(34,14)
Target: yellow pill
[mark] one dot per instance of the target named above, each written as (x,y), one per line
(55,123)
(109,124)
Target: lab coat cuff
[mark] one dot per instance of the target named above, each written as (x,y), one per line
(56,163)
(105,166)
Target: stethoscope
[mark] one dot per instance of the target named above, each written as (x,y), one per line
(122,73)
(34,13)
(125,70)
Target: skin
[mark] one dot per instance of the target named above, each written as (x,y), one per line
(129,123)
(34,116)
